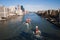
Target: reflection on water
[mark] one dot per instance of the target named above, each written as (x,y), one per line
(9,28)
(15,29)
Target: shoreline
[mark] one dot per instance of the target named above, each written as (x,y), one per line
(55,23)
(9,17)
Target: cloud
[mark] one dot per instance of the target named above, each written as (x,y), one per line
(34,7)
(37,7)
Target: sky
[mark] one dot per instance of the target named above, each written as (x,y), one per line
(33,5)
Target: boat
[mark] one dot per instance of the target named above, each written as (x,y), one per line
(37,32)
(28,20)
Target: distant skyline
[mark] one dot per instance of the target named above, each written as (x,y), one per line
(33,5)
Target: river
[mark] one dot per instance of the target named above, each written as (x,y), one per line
(14,29)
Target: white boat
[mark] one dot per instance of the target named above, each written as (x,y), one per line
(37,32)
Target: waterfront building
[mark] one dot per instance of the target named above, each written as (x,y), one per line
(18,10)
(12,10)
(22,8)
(4,12)
(53,13)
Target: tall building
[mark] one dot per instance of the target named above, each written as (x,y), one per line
(19,11)
(4,12)
(22,8)
(12,10)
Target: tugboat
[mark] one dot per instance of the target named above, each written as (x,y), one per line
(37,32)
(27,22)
